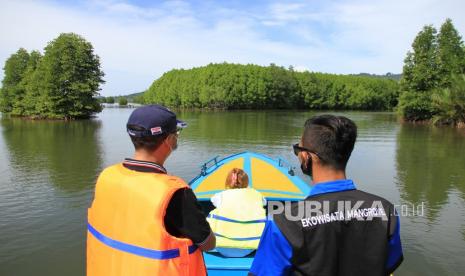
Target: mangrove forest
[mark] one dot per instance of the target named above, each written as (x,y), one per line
(236,86)
(64,83)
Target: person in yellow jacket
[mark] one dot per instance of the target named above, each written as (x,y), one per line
(239,217)
(144,221)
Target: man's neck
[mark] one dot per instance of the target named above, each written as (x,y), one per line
(326,175)
(145,156)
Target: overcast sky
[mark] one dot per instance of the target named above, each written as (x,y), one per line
(138,41)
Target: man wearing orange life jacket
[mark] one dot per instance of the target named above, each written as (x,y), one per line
(142,220)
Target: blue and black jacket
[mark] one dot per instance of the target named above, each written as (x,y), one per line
(360,238)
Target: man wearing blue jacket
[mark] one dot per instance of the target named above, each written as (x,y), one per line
(344,231)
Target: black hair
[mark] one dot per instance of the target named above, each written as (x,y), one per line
(332,138)
(149,143)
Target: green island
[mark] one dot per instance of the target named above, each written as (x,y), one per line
(61,84)
(64,83)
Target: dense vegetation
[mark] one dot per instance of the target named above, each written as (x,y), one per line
(109,99)
(122,101)
(432,84)
(234,86)
(61,84)
(134,97)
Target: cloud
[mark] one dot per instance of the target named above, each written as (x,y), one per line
(284,13)
(137,43)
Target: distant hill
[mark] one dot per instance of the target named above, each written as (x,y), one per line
(389,75)
(131,97)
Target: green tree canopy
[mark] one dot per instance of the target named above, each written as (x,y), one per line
(123,101)
(15,68)
(235,86)
(70,77)
(450,102)
(62,84)
(430,67)
(420,71)
(26,107)
(450,53)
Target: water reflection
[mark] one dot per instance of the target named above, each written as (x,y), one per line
(45,189)
(235,128)
(430,165)
(68,152)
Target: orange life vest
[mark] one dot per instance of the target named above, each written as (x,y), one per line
(126,233)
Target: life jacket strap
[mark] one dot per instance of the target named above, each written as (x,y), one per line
(238,239)
(137,250)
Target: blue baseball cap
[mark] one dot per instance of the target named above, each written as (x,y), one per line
(152,120)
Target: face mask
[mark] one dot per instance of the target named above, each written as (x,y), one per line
(308,168)
(173,148)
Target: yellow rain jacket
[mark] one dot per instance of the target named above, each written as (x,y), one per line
(239,220)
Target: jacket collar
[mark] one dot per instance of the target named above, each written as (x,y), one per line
(143,166)
(332,187)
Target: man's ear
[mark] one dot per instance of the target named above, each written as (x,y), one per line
(315,158)
(163,144)
(171,137)
(167,141)
(304,157)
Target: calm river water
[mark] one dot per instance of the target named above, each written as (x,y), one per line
(48,170)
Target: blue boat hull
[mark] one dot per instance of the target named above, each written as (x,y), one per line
(219,265)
